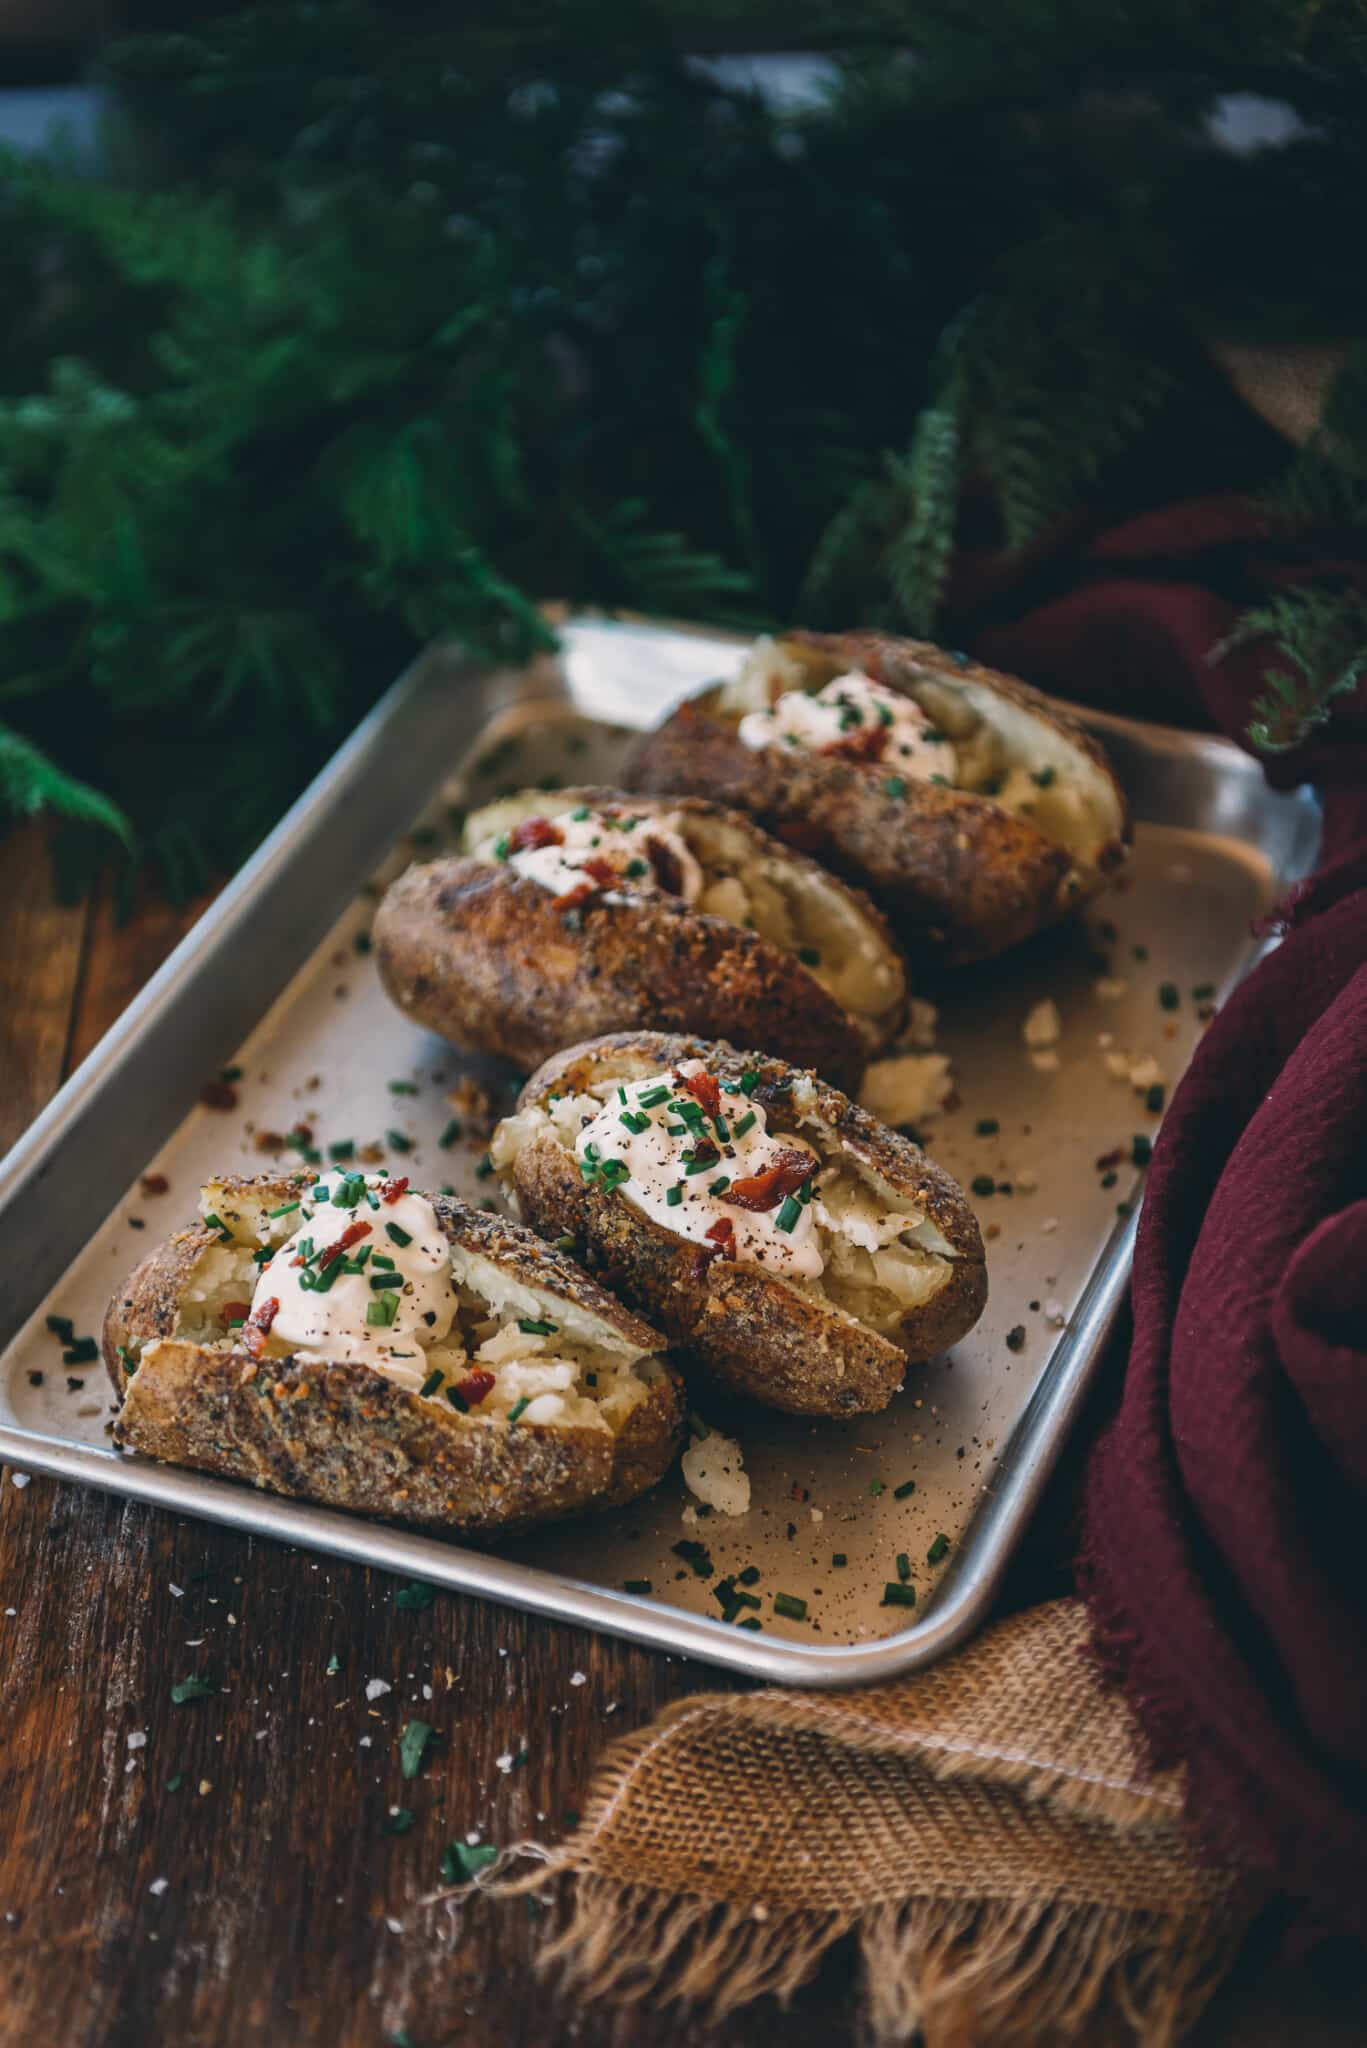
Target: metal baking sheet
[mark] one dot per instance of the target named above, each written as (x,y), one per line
(275,980)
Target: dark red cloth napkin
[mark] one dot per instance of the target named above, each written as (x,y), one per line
(1225,1526)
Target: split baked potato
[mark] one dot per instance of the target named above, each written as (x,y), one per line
(801,1251)
(532,1393)
(972,809)
(584,911)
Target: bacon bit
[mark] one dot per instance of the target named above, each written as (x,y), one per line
(258,1327)
(234,1312)
(218,1095)
(353,1234)
(667,865)
(602,871)
(270,1141)
(534,832)
(721,1245)
(704,1088)
(867,744)
(393,1191)
(575,898)
(474,1386)
(155,1184)
(789,1172)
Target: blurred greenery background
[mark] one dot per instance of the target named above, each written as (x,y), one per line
(330,328)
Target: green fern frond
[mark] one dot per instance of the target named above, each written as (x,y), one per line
(31,783)
(1321,636)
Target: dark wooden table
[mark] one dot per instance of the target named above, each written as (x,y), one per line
(212,1873)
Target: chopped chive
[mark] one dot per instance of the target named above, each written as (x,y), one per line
(1153,1100)
(750,1576)
(398,1140)
(903,1566)
(1203,992)
(1108,1180)
(635,868)
(788,1213)
(747,1123)
(748,1083)
(983,1184)
(327,1277)
(383,1259)
(1140,952)
(362,942)
(653,1097)
(413,1747)
(216,1223)
(415,1597)
(581,813)
(895,1594)
(791,1606)
(937,1550)
(1043,778)
(345,1148)
(430,1385)
(1015,1337)
(83,1352)
(674,1195)
(174,1784)
(399,1822)
(397,1235)
(458,1400)
(719,1186)
(385,1277)
(750,1621)
(485,1168)
(334,1665)
(502,846)
(63,1327)
(534,1326)
(839,1560)
(987,1127)
(515,1412)
(1141,1150)
(876,1487)
(636,1586)
(450,1134)
(901,1492)
(403,1087)
(1124,1208)
(1169,995)
(722,1129)
(285,1209)
(192,1689)
(564,1244)
(461,1861)
(634,1120)
(809,956)
(895,785)
(380,1314)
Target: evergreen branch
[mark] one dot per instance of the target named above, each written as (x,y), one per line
(30,784)
(1321,636)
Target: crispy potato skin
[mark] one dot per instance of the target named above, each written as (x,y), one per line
(345,1436)
(953,871)
(755,1332)
(481,955)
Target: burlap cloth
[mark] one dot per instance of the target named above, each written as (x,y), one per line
(986,1832)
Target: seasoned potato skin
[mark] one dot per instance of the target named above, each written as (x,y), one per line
(956,873)
(480,954)
(756,1333)
(345,1436)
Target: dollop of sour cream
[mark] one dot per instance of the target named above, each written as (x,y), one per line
(680,1163)
(644,850)
(384,1297)
(859,717)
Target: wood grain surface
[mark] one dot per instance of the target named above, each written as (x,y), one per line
(225,1870)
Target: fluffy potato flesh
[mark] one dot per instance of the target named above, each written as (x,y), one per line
(749,879)
(1004,742)
(570,1369)
(883,1257)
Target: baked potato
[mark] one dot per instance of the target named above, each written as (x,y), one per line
(972,809)
(802,1252)
(585,911)
(400,1354)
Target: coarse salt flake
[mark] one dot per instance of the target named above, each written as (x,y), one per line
(376,1688)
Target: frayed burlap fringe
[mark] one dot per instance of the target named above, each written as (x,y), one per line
(987,1833)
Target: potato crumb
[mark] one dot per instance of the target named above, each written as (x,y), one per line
(1044,1062)
(1043,1025)
(713,1470)
(907,1088)
(1111,988)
